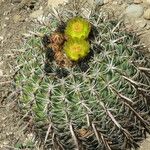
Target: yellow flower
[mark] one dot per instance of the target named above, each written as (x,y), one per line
(78,27)
(76,49)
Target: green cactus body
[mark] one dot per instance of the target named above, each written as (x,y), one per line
(107,100)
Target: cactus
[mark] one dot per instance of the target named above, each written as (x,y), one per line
(104,107)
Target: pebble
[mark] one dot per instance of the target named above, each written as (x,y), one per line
(1,72)
(36,14)
(147,14)
(6,18)
(134,11)
(102,2)
(148,27)
(146,1)
(107,1)
(17,18)
(98,2)
(1,62)
(55,3)
(141,23)
(1,38)
(137,1)
(130,1)
(6,143)
(15,1)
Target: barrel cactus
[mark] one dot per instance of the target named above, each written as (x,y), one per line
(102,107)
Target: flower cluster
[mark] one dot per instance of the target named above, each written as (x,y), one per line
(77,31)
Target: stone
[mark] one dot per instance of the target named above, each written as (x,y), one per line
(6,18)
(147,14)
(17,18)
(99,2)
(36,14)
(141,23)
(1,72)
(146,1)
(137,1)
(102,2)
(129,1)
(148,27)
(52,3)
(1,38)
(15,1)
(134,11)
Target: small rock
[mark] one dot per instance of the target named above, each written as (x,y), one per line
(137,1)
(1,62)
(148,27)
(146,1)
(107,1)
(1,72)
(4,25)
(102,2)
(6,18)
(5,142)
(134,11)
(36,14)
(55,3)
(115,2)
(141,23)
(99,1)
(129,1)
(147,14)
(1,38)
(17,18)
(16,1)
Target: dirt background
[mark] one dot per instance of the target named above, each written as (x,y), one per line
(18,17)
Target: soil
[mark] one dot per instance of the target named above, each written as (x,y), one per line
(16,19)
(10,31)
